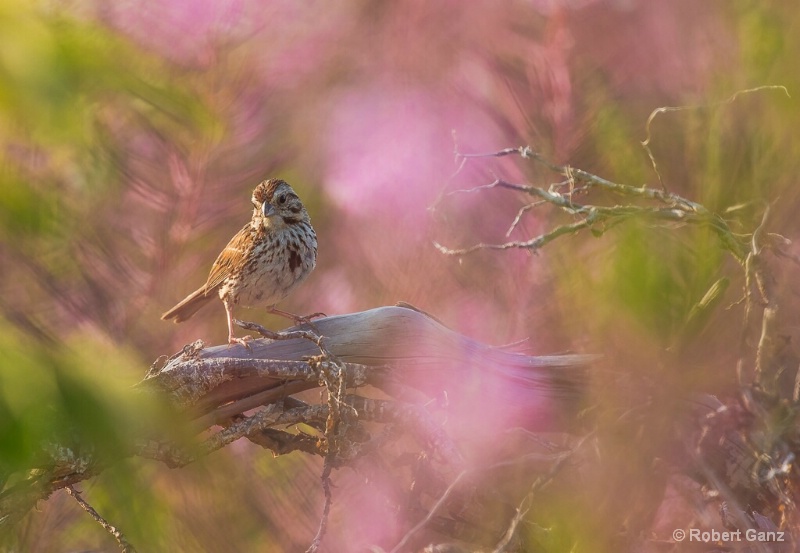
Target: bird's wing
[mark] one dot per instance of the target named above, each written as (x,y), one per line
(231,258)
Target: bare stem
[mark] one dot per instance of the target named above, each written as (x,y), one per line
(421,524)
(124,544)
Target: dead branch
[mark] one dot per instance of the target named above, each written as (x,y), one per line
(669,207)
(233,392)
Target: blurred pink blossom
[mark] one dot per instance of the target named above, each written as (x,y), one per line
(384,151)
(183,30)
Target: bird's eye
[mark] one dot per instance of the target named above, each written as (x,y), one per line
(282,199)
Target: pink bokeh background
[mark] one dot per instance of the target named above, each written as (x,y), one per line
(363,107)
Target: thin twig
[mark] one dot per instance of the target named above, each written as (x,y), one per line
(520,213)
(532,244)
(474,189)
(332,373)
(512,528)
(537,484)
(421,524)
(667,109)
(265,418)
(501,153)
(124,544)
(326,509)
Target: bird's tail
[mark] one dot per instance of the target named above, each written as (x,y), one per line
(190,305)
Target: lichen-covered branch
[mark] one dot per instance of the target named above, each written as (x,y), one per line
(598,218)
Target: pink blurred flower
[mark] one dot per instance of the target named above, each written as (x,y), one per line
(183,30)
(389,149)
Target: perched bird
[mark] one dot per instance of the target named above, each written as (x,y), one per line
(264,262)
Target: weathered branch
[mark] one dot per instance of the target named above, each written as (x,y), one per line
(247,391)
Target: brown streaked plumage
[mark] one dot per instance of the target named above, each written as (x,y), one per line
(264,262)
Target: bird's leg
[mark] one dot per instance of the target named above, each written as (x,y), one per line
(298,319)
(231,338)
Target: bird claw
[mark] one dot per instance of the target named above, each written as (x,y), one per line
(241,341)
(300,319)
(315,315)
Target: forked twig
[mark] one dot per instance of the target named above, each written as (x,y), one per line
(672,208)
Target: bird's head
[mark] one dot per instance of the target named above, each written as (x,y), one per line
(276,203)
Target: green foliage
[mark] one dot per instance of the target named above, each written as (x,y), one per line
(129,491)
(618,146)
(23,212)
(63,82)
(566,526)
(77,396)
(761,36)
(60,74)
(656,276)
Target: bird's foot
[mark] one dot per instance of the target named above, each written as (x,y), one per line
(241,341)
(306,319)
(298,319)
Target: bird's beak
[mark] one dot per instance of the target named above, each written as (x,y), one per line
(267,209)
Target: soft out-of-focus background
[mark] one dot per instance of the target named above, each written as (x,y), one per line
(132,133)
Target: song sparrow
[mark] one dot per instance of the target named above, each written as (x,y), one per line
(264,262)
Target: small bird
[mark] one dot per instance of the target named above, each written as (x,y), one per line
(264,262)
